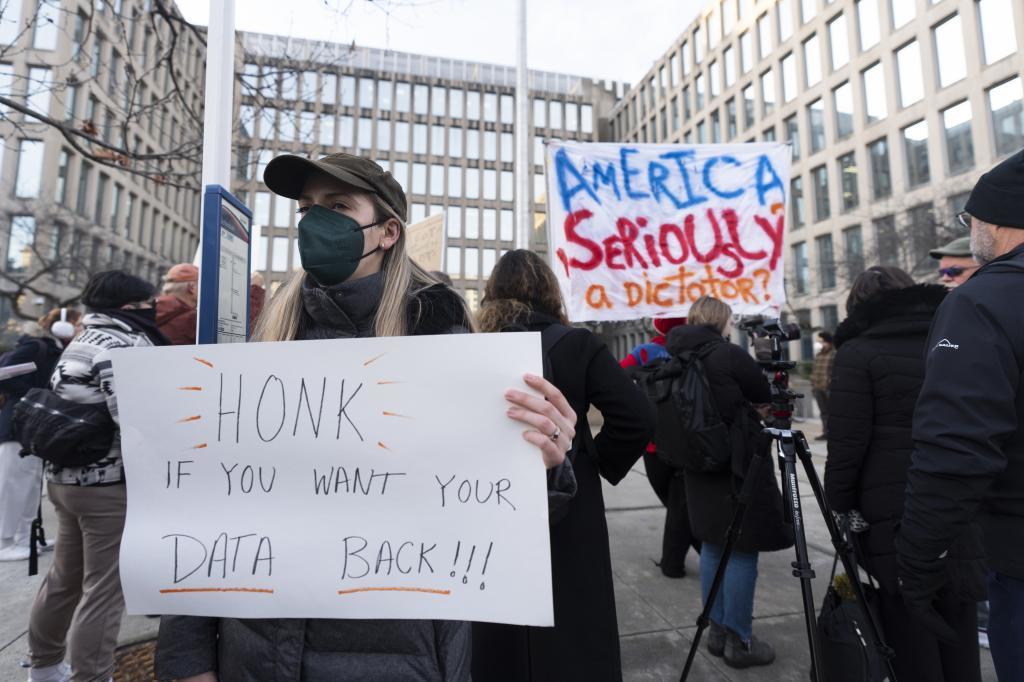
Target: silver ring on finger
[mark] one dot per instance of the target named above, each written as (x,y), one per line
(554,436)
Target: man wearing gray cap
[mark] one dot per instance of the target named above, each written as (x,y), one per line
(956,262)
(968,459)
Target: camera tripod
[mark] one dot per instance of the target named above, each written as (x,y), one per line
(791,446)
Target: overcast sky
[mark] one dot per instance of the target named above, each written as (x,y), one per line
(606,39)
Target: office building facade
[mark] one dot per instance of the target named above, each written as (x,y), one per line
(893,108)
(99,70)
(444,128)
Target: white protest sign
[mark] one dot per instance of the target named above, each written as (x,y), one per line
(644,230)
(360,478)
(425,242)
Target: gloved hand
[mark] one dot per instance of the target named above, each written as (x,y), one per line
(920,582)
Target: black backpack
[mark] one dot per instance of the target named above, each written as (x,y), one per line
(690,433)
(60,431)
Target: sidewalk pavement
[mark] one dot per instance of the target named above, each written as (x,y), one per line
(656,614)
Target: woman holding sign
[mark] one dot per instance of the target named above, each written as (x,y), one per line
(522,294)
(356,281)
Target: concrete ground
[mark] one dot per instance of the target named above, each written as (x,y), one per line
(656,614)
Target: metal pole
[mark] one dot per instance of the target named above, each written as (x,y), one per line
(220,91)
(524,169)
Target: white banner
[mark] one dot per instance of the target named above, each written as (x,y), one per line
(362,478)
(644,230)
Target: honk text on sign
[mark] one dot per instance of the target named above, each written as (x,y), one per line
(645,230)
(357,478)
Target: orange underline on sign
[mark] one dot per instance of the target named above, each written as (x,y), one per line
(193,418)
(190,388)
(422,590)
(385,382)
(178,590)
(203,362)
(395,414)
(199,447)
(374,359)
(381,445)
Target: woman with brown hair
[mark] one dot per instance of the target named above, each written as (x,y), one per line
(356,280)
(737,388)
(522,294)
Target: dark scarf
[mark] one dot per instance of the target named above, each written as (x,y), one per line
(342,310)
(138,322)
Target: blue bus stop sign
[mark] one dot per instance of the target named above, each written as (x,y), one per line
(224,272)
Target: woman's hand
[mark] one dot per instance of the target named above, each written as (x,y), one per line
(552,421)
(764,409)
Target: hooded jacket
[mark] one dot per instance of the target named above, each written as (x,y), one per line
(968,458)
(42,350)
(876,378)
(176,319)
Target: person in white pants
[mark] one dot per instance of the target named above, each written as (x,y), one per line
(21,477)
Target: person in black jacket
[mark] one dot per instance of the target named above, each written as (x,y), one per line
(522,294)
(21,477)
(968,458)
(876,377)
(737,385)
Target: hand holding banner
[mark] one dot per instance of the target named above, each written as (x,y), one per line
(645,230)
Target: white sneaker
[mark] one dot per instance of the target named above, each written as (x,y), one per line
(51,673)
(14,553)
(48,547)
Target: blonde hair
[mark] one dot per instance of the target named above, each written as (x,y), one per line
(403,279)
(710,311)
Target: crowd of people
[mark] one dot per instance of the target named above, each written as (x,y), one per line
(919,391)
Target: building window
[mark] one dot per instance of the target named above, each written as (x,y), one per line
(793,135)
(949,51)
(420,99)
(455,142)
(716,128)
(768,135)
(21,242)
(829,317)
(847,166)
(764,36)
(402,96)
(808,10)
(812,61)
(555,118)
(1004,102)
(748,107)
(785,14)
(365,133)
(746,52)
(455,98)
(730,118)
(819,180)
(101,195)
(826,262)
(875,103)
(698,85)
(796,196)
(789,84)
(30,169)
(902,13)
(47,21)
(997,35)
(587,119)
(437,101)
(887,242)
(911,77)
(816,125)
(959,149)
(853,252)
(923,235)
(915,149)
(842,99)
(729,67)
(540,113)
(800,268)
(767,93)
(472,223)
(60,189)
(839,45)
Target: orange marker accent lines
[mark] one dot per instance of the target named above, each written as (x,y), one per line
(179,590)
(371,360)
(199,447)
(203,362)
(395,414)
(423,590)
(381,445)
(387,382)
(190,388)
(193,418)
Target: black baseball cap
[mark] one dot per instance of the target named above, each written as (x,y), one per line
(286,175)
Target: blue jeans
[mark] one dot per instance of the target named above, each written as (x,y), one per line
(734,607)
(1006,625)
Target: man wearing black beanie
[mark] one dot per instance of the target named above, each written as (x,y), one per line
(968,459)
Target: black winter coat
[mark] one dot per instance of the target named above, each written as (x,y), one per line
(584,644)
(42,350)
(968,459)
(876,378)
(736,382)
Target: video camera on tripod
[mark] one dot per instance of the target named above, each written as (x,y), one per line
(768,336)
